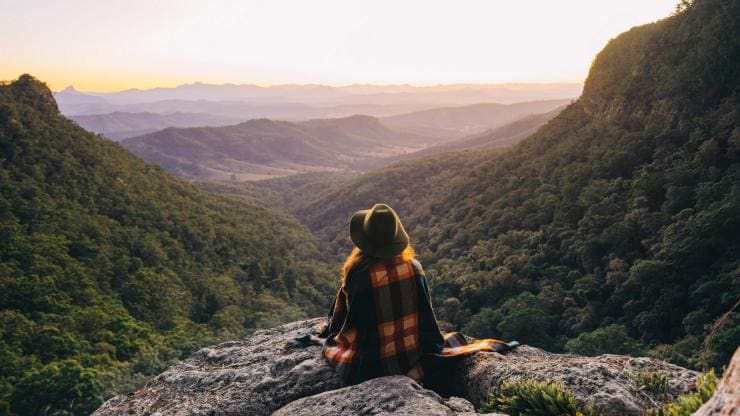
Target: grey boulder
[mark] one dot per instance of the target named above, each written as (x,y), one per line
(394,395)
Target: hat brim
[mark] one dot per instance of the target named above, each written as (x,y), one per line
(371,248)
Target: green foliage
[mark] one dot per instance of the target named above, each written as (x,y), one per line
(534,398)
(683,352)
(612,339)
(652,382)
(62,387)
(686,405)
(111,269)
(521,316)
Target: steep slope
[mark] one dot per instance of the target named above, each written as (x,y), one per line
(120,125)
(472,119)
(111,269)
(264,148)
(616,221)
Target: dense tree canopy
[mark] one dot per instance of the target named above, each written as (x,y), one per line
(111,269)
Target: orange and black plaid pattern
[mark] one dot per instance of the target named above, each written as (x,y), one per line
(396,298)
(382,323)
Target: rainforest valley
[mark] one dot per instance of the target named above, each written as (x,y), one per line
(605,224)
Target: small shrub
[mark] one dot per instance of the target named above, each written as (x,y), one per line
(652,382)
(612,339)
(534,398)
(687,404)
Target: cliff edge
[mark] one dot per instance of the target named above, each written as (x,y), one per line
(266,373)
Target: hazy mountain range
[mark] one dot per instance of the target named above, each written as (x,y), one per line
(452,94)
(264,148)
(126,113)
(120,125)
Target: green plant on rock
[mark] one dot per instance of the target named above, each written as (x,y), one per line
(687,404)
(651,382)
(534,398)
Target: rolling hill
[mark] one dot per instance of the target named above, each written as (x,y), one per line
(112,269)
(267,148)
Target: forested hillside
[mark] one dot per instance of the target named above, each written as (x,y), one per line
(111,269)
(615,228)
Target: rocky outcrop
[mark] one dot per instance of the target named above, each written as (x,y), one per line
(726,400)
(268,372)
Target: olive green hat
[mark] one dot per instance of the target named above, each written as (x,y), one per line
(378,231)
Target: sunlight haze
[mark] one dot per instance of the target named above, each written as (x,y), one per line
(113,45)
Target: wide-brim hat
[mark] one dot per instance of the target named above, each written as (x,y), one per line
(378,231)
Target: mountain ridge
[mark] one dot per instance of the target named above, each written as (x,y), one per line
(121,125)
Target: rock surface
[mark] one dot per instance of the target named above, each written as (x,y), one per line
(254,376)
(726,400)
(266,372)
(605,382)
(398,395)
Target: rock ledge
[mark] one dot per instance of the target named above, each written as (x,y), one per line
(266,373)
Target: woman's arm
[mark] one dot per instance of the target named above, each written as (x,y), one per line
(337,314)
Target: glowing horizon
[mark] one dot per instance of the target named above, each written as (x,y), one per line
(116,45)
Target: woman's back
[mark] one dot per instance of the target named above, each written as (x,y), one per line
(388,325)
(382,322)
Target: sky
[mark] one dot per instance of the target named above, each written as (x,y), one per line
(109,45)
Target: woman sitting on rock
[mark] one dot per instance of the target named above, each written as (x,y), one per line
(382,321)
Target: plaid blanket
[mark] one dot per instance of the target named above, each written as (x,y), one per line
(382,323)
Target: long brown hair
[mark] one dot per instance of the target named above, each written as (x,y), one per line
(357,258)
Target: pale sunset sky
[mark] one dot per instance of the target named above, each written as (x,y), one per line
(106,45)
